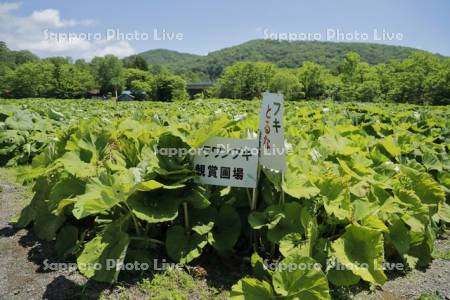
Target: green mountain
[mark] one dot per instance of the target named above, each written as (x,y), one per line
(282,53)
(168,57)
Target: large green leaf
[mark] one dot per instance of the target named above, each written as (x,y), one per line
(76,167)
(299,185)
(20,121)
(290,224)
(46,224)
(151,185)
(184,246)
(66,240)
(66,187)
(426,188)
(252,289)
(399,234)
(197,197)
(270,217)
(155,208)
(107,247)
(300,277)
(98,198)
(390,145)
(342,277)
(361,250)
(291,243)
(336,197)
(227,229)
(202,220)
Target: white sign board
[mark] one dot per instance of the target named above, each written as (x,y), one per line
(227,162)
(271,132)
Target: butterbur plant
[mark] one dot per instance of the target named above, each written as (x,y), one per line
(366,184)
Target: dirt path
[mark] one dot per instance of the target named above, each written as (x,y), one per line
(434,280)
(22,274)
(22,256)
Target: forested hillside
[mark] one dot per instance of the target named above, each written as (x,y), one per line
(369,73)
(282,53)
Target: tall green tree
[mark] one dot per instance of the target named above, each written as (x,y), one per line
(32,79)
(360,81)
(130,75)
(24,56)
(315,79)
(74,81)
(140,82)
(413,79)
(108,72)
(245,80)
(169,87)
(437,85)
(135,62)
(285,81)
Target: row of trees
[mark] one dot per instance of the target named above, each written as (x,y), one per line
(58,77)
(422,78)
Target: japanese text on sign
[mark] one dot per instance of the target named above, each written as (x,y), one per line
(271,132)
(227,162)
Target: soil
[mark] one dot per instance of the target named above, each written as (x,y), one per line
(22,269)
(23,257)
(434,280)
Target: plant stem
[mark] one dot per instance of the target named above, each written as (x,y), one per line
(140,238)
(186,217)
(272,249)
(282,199)
(249,197)
(255,191)
(135,221)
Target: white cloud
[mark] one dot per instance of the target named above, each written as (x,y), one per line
(31,33)
(121,49)
(7,7)
(50,18)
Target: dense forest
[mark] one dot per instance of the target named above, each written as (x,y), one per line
(281,53)
(348,72)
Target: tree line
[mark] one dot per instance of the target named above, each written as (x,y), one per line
(422,78)
(60,77)
(284,54)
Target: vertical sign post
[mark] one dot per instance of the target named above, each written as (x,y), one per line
(271,132)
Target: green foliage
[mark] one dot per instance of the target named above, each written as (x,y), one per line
(108,73)
(422,78)
(284,54)
(299,70)
(32,79)
(170,87)
(366,183)
(359,80)
(286,82)
(296,277)
(139,82)
(174,283)
(314,79)
(135,62)
(12,59)
(73,81)
(245,80)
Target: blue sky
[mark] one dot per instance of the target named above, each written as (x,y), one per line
(208,25)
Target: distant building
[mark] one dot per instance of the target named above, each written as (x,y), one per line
(125,96)
(195,88)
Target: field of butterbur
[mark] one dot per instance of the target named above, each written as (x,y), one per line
(366,184)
